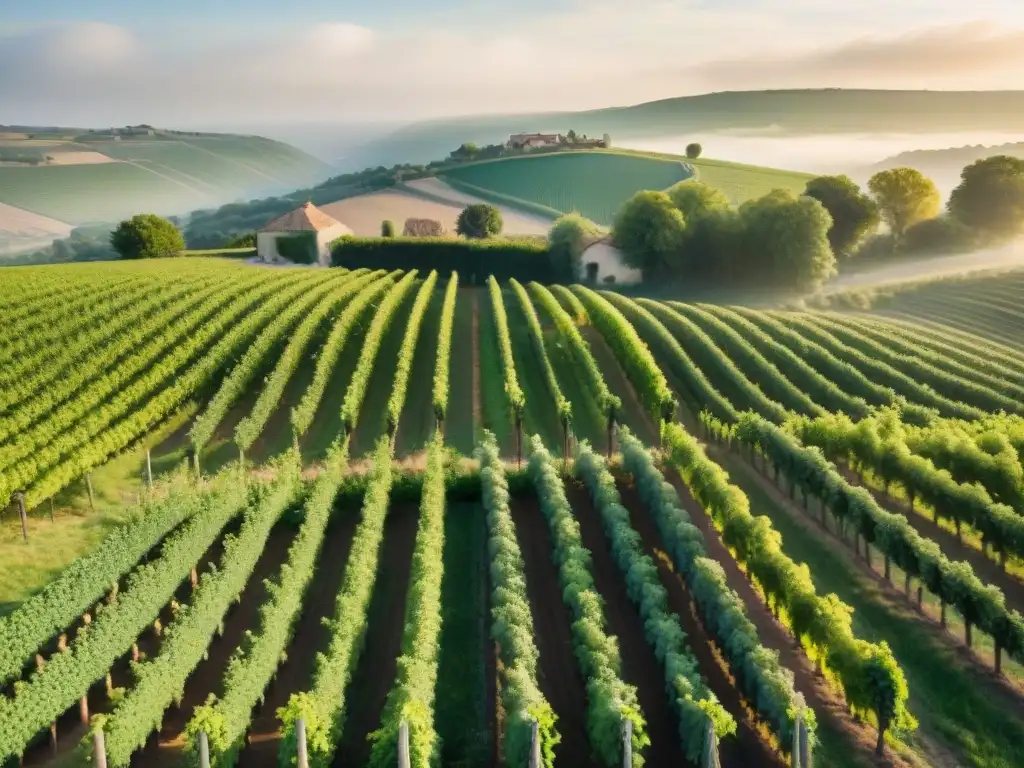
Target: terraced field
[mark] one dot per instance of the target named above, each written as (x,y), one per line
(676,533)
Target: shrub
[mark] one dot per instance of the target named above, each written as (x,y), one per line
(147,236)
(567,239)
(479,221)
(693,151)
(387,228)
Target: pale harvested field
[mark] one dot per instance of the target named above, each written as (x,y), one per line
(76,157)
(364,213)
(28,224)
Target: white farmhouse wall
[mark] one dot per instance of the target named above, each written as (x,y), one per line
(610,262)
(325,237)
(266,246)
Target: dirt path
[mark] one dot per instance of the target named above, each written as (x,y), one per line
(375,674)
(829,707)
(640,665)
(477,410)
(747,747)
(559,674)
(311,637)
(165,748)
(986,568)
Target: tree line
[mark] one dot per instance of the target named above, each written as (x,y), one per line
(691,231)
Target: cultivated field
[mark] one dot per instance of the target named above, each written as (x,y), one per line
(164,174)
(21,230)
(595,184)
(364,213)
(810,528)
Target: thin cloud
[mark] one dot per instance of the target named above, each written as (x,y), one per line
(960,53)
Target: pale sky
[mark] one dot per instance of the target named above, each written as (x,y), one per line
(194,62)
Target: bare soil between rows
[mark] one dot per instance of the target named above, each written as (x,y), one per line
(747,747)
(640,665)
(310,638)
(559,676)
(368,689)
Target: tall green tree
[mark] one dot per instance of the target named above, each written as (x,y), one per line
(785,242)
(990,197)
(904,196)
(147,236)
(695,198)
(694,150)
(479,220)
(650,232)
(854,214)
(387,228)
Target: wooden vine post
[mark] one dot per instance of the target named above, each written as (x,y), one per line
(149,470)
(627,743)
(302,758)
(403,745)
(204,750)
(99,749)
(710,759)
(19,499)
(88,486)
(535,761)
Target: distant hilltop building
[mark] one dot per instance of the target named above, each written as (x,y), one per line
(522,141)
(322,229)
(533,140)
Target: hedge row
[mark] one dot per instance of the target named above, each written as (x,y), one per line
(473,260)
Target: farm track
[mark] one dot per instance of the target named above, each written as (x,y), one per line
(558,673)
(746,748)
(165,747)
(467,691)
(640,665)
(382,645)
(295,674)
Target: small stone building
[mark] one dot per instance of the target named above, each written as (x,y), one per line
(322,229)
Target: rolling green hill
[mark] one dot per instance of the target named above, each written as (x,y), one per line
(97,177)
(597,183)
(783,111)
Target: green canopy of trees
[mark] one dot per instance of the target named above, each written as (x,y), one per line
(778,240)
(904,196)
(146,236)
(854,214)
(990,197)
(479,220)
(650,232)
